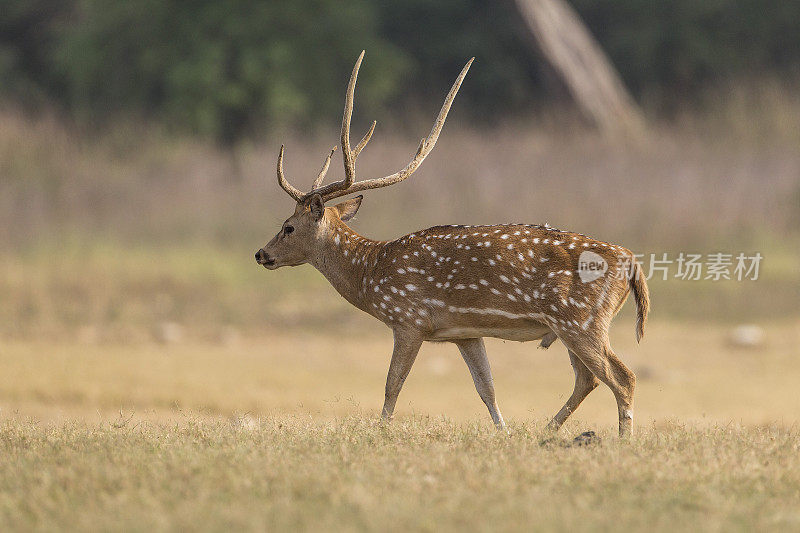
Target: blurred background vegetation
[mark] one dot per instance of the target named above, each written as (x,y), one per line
(235,68)
(138,143)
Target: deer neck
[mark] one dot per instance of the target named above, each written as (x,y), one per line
(346,260)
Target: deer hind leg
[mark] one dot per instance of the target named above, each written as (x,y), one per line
(601,360)
(406,348)
(474,353)
(585,382)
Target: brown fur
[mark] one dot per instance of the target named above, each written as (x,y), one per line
(462,283)
(455,283)
(642,296)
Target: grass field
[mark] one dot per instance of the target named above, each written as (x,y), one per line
(686,372)
(144,391)
(420,473)
(155,378)
(282,432)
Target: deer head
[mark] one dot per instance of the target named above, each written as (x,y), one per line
(307,231)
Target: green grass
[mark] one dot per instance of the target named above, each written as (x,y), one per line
(353,473)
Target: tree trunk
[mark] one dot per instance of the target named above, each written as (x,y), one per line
(581,63)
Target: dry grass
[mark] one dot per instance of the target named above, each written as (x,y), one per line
(282,433)
(352,474)
(127,294)
(685,371)
(687,186)
(249,400)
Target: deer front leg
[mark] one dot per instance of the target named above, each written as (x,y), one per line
(406,348)
(474,353)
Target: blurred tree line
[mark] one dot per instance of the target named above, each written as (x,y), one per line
(230,68)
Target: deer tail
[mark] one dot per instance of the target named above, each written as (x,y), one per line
(642,296)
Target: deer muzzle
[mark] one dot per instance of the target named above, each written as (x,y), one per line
(263,258)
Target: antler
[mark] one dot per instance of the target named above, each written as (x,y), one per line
(348,156)
(295,193)
(321,175)
(348,185)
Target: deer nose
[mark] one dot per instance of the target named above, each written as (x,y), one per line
(263,258)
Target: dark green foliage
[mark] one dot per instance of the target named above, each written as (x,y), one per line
(671,49)
(221,68)
(439,36)
(29,34)
(227,68)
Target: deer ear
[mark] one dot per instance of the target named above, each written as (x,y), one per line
(348,209)
(317,206)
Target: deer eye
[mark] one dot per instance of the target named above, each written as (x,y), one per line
(288,229)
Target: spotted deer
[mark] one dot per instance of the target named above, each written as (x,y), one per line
(462,283)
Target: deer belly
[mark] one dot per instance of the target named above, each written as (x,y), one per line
(521,333)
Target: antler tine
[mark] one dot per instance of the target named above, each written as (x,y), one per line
(425,146)
(285,185)
(321,175)
(364,140)
(348,155)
